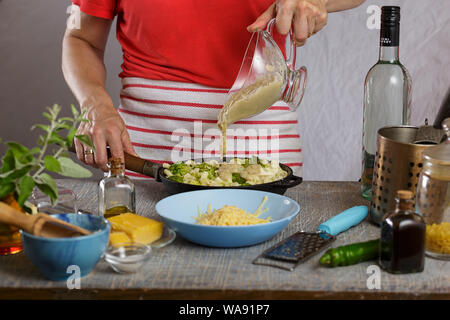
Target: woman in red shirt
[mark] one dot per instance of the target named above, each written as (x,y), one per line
(179,60)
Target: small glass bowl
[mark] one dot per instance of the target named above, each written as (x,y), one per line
(127,257)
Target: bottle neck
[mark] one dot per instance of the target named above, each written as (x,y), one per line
(389,41)
(404,205)
(389,54)
(116,172)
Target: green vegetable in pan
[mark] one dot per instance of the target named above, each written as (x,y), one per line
(351,254)
(179,169)
(236,172)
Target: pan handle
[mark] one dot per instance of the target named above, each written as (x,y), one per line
(136,164)
(290,181)
(142,166)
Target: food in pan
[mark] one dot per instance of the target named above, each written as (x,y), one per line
(231,216)
(130,227)
(236,172)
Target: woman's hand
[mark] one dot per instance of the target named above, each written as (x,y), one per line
(306,17)
(106,128)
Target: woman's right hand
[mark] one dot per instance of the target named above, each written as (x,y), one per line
(106,128)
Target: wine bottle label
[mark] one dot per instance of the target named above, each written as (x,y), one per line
(390,35)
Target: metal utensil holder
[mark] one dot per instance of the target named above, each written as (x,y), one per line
(398,163)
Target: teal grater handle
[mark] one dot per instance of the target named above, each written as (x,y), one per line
(344,220)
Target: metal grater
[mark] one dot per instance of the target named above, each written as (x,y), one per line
(292,251)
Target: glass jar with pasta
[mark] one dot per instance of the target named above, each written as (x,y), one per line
(433,197)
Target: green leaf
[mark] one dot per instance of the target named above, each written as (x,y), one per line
(66,119)
(84,138)
(74,111)
(25,189)
(54,110)
(62,126)
(41,141)
(43,127)
(6,189)
(14,174)
(52,164)
(21,153)
(47,185)
(72,169)
(56,138)
(71,136)
(48,116)
(35,150)
(8,161)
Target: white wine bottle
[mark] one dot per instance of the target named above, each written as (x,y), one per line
(387,94)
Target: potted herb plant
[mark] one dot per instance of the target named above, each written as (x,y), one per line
(23,169)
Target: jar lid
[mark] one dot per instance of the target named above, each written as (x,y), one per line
(440,154)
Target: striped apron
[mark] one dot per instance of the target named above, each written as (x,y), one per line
(173,121)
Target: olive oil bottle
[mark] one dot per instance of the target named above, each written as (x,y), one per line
(402,244)
(116,192)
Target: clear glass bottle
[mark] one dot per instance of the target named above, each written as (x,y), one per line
(116,192)
(433,197)
(387,94)
(402,243)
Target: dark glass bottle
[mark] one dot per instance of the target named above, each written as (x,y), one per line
(402,245)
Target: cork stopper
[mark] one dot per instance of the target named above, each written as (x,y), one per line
(115,165)
(405,194)
(404,200)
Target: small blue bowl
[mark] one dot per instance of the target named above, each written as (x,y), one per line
(179,212)
(54,256)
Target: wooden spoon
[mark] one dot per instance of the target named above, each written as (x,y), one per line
(40,224)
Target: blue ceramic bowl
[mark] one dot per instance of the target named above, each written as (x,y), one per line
(179,212)
(53,256)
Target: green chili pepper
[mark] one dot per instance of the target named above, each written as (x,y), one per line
(351,254)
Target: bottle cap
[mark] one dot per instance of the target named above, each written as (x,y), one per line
(390,14)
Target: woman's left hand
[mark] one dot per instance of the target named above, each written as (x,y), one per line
(305,16)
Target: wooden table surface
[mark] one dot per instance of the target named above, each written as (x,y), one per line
(184,270)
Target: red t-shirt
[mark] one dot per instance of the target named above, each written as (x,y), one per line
(193,41)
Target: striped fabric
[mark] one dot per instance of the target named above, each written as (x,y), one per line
(172,121)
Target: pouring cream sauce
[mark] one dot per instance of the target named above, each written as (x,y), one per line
(250,101)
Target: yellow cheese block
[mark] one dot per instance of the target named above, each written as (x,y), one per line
(137,228)
(116,237)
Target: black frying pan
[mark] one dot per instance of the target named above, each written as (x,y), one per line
(156,171)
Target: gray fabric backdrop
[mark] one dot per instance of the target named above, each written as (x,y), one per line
(337,59)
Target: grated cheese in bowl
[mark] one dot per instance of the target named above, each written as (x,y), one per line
(231,216)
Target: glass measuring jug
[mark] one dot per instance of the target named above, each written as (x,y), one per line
(264,78)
